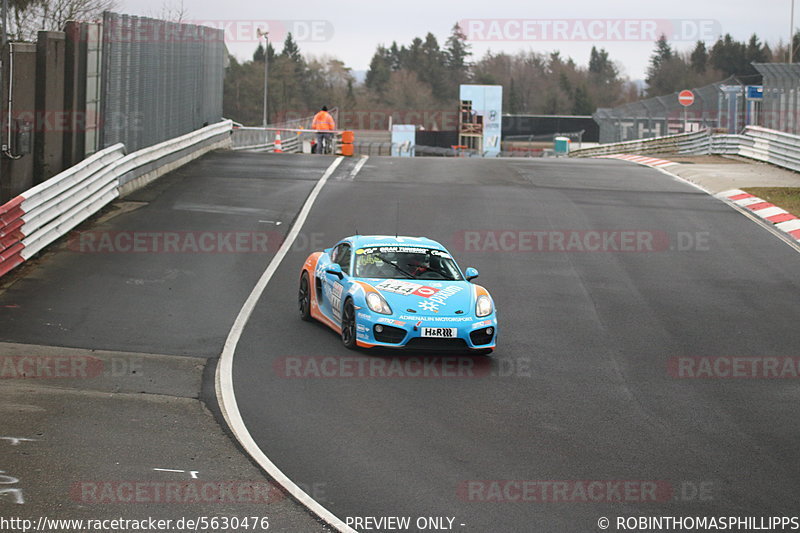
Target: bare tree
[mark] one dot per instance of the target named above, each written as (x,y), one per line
(29,16)
(171,10)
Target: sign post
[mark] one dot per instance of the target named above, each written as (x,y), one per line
(685,98)
(753,95)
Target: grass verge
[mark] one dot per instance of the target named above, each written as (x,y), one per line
(787,198)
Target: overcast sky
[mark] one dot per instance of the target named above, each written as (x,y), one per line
(351,30)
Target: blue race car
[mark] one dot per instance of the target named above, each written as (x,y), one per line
(397,292)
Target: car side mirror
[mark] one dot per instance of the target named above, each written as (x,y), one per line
(335,269)
(471,273)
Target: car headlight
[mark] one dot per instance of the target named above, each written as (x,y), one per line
(484,306)
(376,302)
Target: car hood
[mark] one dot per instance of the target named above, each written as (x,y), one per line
(427,297)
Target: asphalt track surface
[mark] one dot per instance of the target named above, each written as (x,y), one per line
(579,388)
(148,299)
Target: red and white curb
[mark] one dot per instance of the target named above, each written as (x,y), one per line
(641,159)
(781,219)
(778,218)
(11,234)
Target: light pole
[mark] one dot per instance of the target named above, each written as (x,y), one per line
(265,34)
(791,35)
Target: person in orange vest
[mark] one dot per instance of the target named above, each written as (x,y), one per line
(324,124)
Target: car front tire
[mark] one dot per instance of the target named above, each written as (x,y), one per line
(349,325)
(304,298)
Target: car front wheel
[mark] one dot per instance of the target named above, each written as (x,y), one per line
(304,298)
(349,325)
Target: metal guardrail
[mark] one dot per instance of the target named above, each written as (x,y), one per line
(694,141)
(263,139)
(771,146)
(762,144)
(293,132)
(46,212)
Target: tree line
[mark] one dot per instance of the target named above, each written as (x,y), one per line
(670,70)
(425,75)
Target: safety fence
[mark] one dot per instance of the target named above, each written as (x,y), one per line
(762,144)
(159,79)
(282,140)
(46,212)
(292,133)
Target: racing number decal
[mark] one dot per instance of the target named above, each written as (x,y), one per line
(406,288)
(336,301)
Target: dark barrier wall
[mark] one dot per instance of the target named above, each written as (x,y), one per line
(75,93)
(50,120)
(160,79)
(533,125)
(522,125)
(16,170)
(443,139)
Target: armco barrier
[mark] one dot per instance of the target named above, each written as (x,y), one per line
(692,142)
(49,210)
(263,139)
(140,168)
(762,144)
(770,146)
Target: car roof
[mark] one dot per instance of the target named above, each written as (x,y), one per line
(366,241)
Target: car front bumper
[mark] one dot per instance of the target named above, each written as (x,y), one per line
(376,330)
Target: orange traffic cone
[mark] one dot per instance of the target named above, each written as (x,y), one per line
(277,148)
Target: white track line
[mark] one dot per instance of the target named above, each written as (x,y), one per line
(224,378)
(358,166)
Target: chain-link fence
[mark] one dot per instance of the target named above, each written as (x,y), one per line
(664,115)
(781,97)
(160,79)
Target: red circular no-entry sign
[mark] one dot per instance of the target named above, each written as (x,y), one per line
(686,98)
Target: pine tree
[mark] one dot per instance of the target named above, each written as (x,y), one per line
(291,50)
(729,56)
(395,56)
(380,68)
(661,55)
(582,103)
(457,52)
(433,66)
(258,55)
(699,58)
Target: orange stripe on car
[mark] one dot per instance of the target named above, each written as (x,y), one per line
(367,287)
(480,291)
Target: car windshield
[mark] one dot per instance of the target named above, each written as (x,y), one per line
(404,262)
